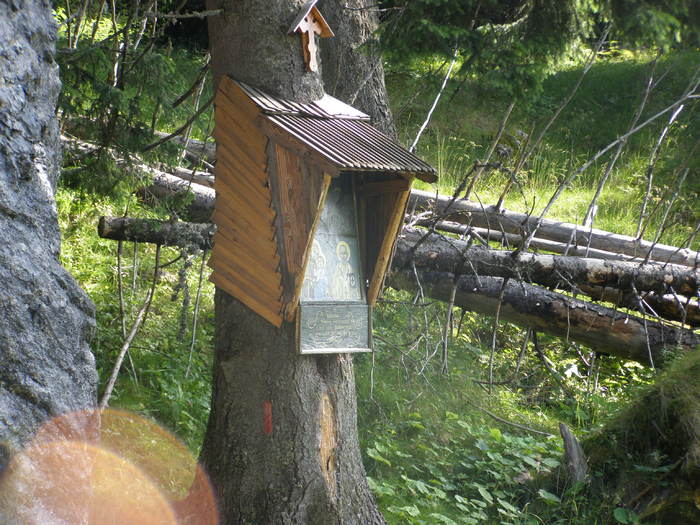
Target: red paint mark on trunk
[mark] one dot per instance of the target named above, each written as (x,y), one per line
(267,418)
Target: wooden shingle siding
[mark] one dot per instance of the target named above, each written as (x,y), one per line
(245,258)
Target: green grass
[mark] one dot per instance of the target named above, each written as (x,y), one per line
(462,129)
(153,379)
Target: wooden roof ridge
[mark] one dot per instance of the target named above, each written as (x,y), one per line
(305,10)
(327,107)
(338,132)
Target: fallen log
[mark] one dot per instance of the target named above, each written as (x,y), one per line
(665,305)
(196,150)
(180,234)
(555,236)
(204,178)
(513,241)
(164,185)
(435,252)
(474,214)
(601,328)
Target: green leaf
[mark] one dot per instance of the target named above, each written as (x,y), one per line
(376,456)
(411,510)
(551,462)
(620,515)
(442,519)
(507,506)
(531,461)
(548,496)
(485,494)
(623,515)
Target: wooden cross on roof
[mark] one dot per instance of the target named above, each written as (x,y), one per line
(309,23)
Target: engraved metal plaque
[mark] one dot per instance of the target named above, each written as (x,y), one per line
(334,328)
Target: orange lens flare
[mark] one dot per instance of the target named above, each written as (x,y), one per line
(135,472)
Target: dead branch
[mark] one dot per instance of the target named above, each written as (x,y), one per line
(193,14)
(182,128)
(689,94)
(138,323)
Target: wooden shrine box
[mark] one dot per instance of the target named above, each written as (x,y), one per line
(309,201)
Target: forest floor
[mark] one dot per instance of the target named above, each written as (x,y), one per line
(440,446)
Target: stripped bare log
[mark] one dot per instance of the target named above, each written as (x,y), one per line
(474,214)
(166,185)
(204,178)
(196,149)
(603,329)
(511,240)
(555,271)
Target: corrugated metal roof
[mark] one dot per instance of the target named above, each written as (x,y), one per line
(340,133)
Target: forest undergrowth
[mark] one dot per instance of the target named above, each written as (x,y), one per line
(461,432)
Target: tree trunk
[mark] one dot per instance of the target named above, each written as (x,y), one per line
(46,321)
(281,445)
(353,71)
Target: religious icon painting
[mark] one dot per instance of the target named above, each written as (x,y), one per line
(334,314)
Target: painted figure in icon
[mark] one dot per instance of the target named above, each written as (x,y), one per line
(315,281)
(344,285)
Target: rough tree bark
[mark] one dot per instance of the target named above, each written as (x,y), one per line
(281,445)
(353,70)
(46,367)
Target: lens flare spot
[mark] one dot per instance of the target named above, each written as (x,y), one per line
(111,468)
